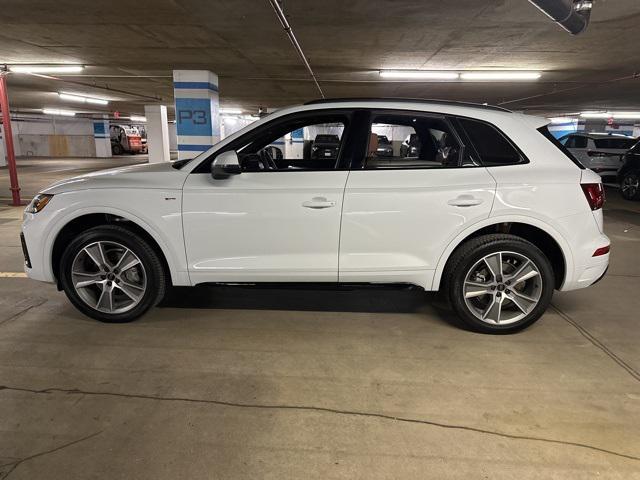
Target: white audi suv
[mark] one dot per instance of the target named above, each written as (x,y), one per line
(490,209)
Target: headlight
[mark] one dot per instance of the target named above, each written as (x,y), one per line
(38,203)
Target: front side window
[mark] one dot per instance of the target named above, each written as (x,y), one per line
(411,141)
(308,143)
(492,146)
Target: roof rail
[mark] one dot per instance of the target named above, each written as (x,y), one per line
(401,99)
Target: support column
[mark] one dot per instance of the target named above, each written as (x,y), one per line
(102,137)
(197,111)
(157,133)
(8,142)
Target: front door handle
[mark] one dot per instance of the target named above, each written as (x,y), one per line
(465,201)
(318,203)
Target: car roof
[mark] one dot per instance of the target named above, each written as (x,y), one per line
(602,134)
(407,100)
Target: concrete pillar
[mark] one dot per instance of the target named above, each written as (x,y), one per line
(101,137)
(294,144)
(3,157)
(157,133)
(197,111)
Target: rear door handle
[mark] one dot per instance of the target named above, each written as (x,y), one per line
(318,203)
(465,201)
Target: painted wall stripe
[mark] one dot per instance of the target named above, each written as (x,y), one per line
(196,85)
(194,148)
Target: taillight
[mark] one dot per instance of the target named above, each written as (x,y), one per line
(601,251)
(594,193)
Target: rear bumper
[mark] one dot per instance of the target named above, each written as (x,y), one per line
(588,273)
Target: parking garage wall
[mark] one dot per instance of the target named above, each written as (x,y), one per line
(49,136)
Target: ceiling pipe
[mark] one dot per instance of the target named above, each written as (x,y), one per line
(287,28)
(571,15)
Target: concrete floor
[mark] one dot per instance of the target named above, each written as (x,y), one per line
(228,383)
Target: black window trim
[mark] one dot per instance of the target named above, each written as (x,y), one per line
(359,164)
(524,158)
(342,162)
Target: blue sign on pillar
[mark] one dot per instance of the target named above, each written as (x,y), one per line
(197,111)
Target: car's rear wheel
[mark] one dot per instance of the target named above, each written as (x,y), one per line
(630,186)
(112,274)
(499,283)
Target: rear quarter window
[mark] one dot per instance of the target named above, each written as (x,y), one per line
(491,145)
(549,136)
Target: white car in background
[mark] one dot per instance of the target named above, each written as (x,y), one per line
(497,217)
(601,152)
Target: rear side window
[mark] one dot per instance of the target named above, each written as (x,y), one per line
(492,146)
(549,136)
(617,143)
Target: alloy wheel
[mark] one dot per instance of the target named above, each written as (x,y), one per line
(108,277)
(502,288)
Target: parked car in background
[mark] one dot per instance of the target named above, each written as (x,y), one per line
(498,221)
(385,147)
(125,139)
(325,146)
(629,174)
(601,152)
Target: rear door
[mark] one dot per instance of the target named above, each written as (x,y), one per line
(578,145)
(400,212)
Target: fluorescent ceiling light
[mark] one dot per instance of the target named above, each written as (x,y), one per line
(231,111)
(595,115)
(497,76)
(81,98)
(420,74)
(557,120)
(625,114)
(621,115)
(46,68)
(137,118)
(55,111)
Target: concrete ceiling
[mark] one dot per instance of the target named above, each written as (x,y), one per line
(130,49)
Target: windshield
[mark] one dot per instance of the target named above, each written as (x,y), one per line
(327,139)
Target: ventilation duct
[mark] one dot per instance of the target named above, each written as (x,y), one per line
(572,15)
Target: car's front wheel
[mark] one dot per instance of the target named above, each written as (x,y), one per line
(499,283)
(630,186)
(112,274)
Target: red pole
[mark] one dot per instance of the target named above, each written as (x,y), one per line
(8,141)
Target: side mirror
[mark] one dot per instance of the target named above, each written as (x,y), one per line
(225,165)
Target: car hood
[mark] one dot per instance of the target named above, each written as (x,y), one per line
(155,175)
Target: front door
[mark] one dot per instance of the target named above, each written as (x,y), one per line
(279,219)
(402,210)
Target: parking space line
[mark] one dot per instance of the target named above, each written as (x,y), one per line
(13,275)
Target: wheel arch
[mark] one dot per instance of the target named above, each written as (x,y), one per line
(87,220)
(545,237)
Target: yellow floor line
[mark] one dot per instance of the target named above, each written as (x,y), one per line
(13,275)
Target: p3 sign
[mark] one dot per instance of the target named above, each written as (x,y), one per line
(193,117)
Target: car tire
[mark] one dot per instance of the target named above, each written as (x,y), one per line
(498,303)
(117,149)
(630,185)
(112,274)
